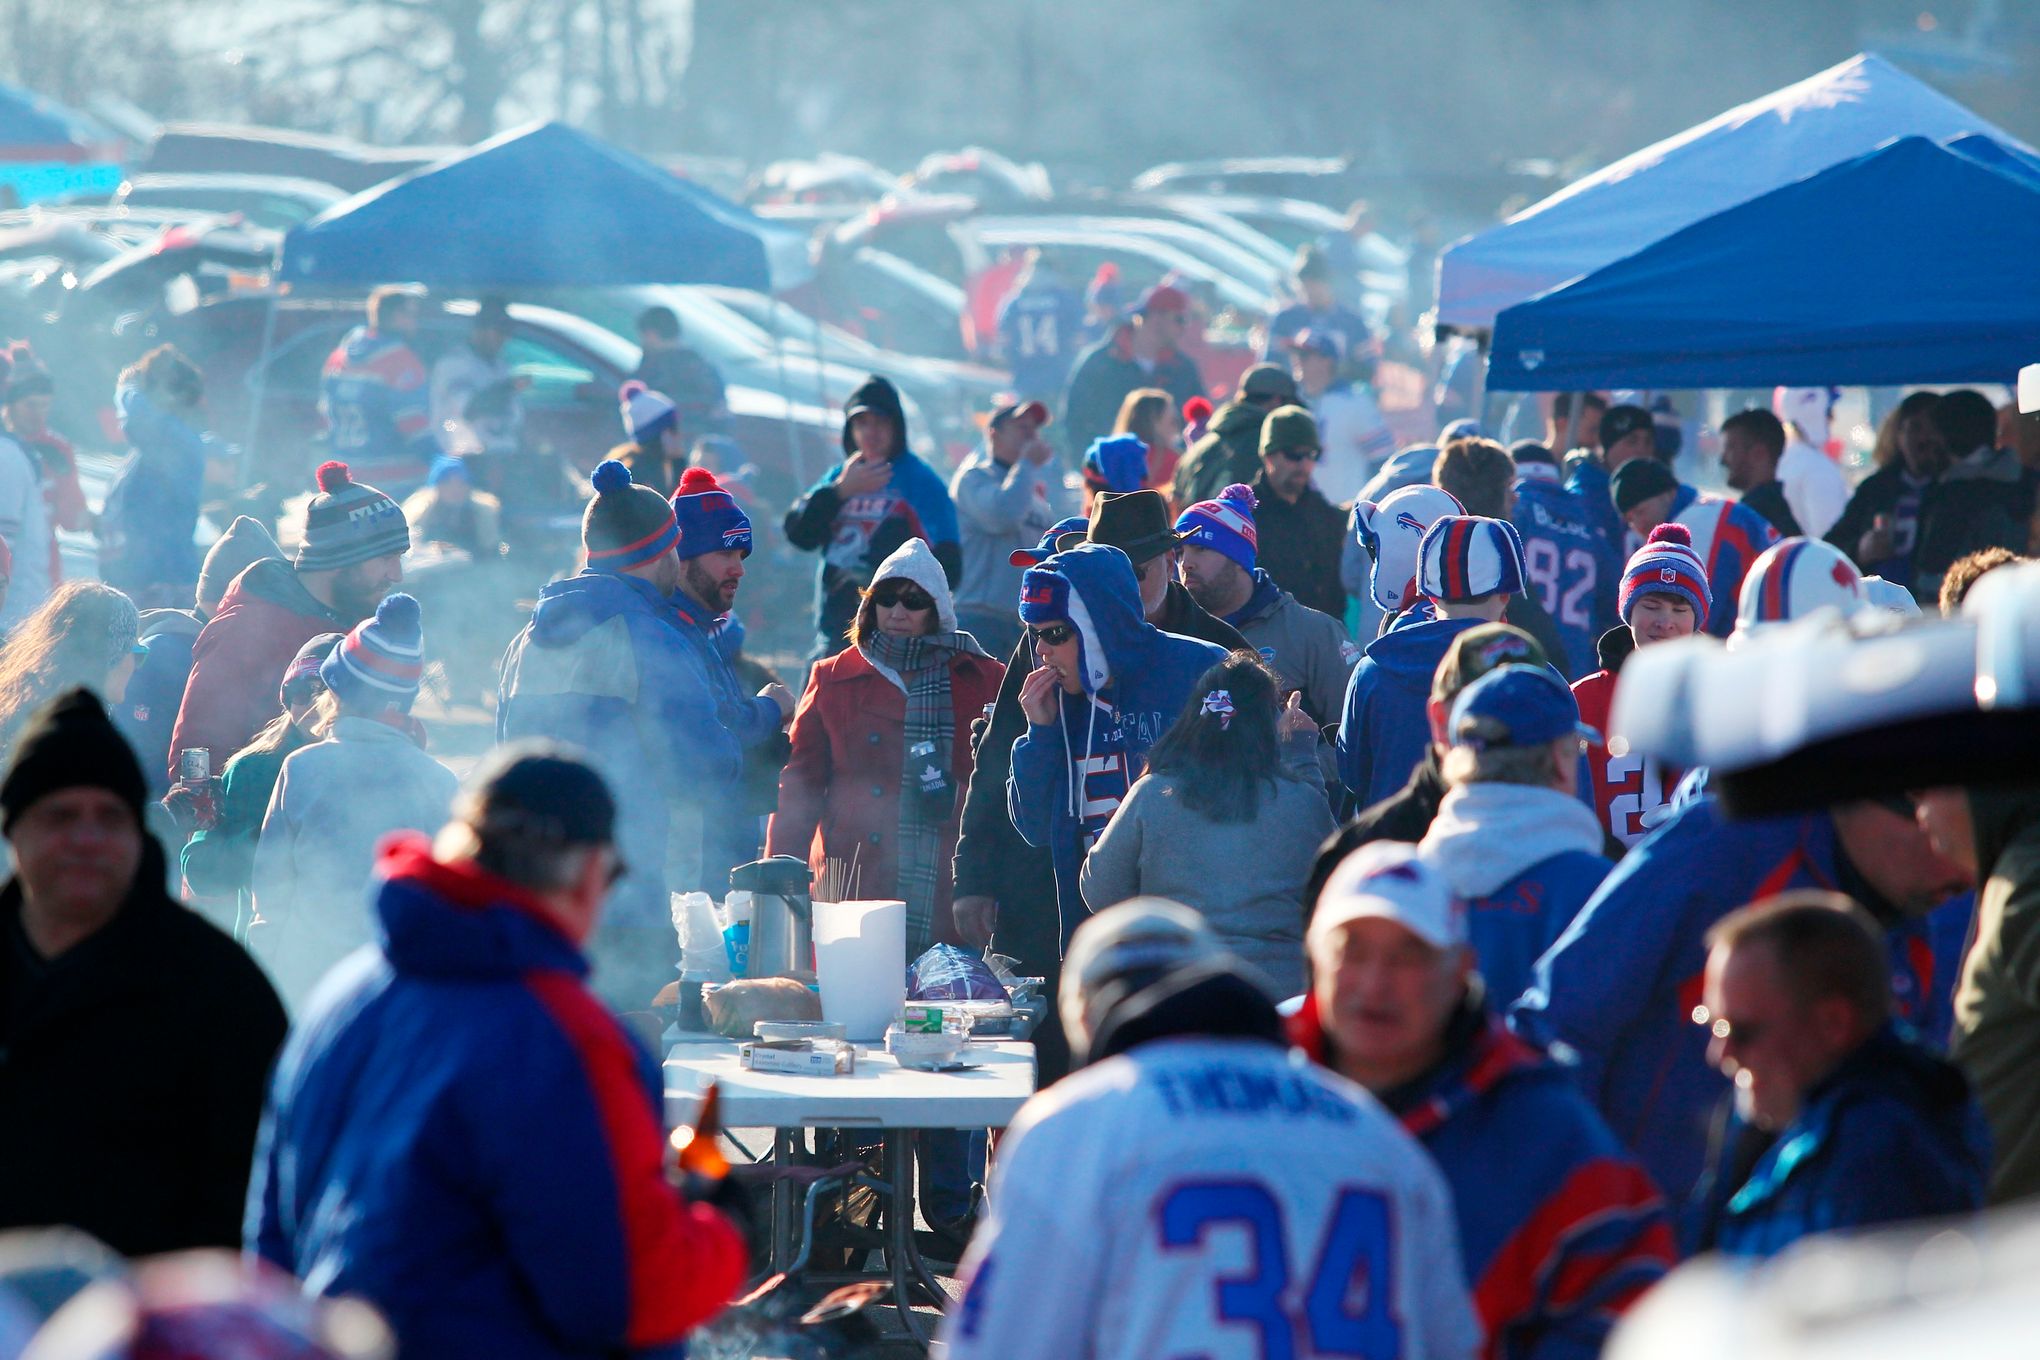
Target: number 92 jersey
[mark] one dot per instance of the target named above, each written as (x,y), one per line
(1570,566)
(1213,1199)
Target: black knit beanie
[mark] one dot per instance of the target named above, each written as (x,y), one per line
(68,744)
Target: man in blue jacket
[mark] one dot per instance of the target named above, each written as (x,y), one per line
(865,507)
(606,664)
(1109,684)
(459,1133)
(1845,1121)
(1618,990)
(1467,568)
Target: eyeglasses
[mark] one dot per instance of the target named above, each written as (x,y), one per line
(1055,635)
(1728,1031)
(910,597)
(1300,455)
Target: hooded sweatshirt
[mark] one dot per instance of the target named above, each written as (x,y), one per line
(1997,1006)
(1067,780)
(151,513)
(1385,728)
(460,1134)
(1524,860)
(856,534)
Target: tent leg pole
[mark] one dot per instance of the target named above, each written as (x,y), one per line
(261,390)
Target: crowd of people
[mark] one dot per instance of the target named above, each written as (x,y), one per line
(1281,754)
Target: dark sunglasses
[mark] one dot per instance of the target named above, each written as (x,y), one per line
(911,597)
(1301,455)
(1055,635)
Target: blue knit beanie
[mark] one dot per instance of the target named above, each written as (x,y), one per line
(626,525)
(1117,462)
(1225,525)
(709,517)
(378,664)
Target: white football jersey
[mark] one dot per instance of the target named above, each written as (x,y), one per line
(1213,1199)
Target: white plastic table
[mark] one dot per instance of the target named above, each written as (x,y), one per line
(881,1095)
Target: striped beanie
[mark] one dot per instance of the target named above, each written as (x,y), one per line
(1224,525)
(645,412)
(1666,565)
(708,517)
(377,665)
(1469,557)
(349,522)
(626,525)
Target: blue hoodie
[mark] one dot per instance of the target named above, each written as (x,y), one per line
(607,665)
(147,525)
(459,1133)
(1385,729)
(1067,780)
(1618,989)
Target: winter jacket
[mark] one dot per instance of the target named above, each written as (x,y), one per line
(1617,991)
(1984,500)
(1728,537)
(238,661)
(731,831)
(148,713)
(1586,476)
(1384,731)
(1300,545)
(131,1082)
(146,529)
(1105,373)
(690,381)
(1068,779)
(1890,1135)
(992,859)
(218,861)
(999,509)
(1245,878)
(1570,566)
(1630,794)
(333,803)
(1307,648)
(607,665)
(460,1134)
(1524,860)
(1228,452)
(1769,501)
(1997,1007)
(840,793)
(25,525)
(1813,488)
(854,536)
(1404,815)
(1559,1230)
(373,394)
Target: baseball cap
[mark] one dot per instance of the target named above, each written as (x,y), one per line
(1164,297)
(1032,411)
(1515,706)
(1146,936)
(1314,341)
(1390,881)
(1619,422)
(1267,380)
(1481,649)
(1042,551)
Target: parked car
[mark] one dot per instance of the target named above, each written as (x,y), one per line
(276,202)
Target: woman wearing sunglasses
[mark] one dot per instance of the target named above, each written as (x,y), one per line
(881,745)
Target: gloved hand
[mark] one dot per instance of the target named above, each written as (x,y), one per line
(194,805)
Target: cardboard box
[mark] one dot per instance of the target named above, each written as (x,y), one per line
(801,1057)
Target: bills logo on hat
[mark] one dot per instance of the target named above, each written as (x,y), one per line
(739,535)
(1037,594)
(1404,519)
(1492,653)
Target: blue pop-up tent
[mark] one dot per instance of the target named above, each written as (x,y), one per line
(542,206)
(1913,264)
(1798,131)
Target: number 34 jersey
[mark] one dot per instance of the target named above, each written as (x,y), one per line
(1213,1199)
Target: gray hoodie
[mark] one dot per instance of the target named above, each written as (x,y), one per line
(999,509)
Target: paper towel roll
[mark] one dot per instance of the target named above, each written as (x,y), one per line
(860,962)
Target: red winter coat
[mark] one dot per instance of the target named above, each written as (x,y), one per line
(843,779)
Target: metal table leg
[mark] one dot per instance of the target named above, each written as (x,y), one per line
(783,1246)
(903,1254)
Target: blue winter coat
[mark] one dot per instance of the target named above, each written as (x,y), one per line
(459,1133)
(1066,781)
(1587,479)
(1511,927)
(1617,991)
(147,525)
(148,713)
(1892,1134)
(1385,730)
(1570,563)
(606,665)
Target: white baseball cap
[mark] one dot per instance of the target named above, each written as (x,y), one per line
(1390,881)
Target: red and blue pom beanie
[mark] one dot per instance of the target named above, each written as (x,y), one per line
(626,525)
(1224,525)
(709,518)
(378,663)
(1666,565)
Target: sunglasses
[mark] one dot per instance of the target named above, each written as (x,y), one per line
(1300,455)
(910,597)
(1055,635)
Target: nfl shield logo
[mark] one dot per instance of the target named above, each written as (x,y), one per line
(1668,574)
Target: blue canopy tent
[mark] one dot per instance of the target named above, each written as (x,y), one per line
(541,206)
(1843,112)
(1913,264)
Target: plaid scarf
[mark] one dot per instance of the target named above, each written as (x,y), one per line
(920,666)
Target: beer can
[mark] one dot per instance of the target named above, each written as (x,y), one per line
(194,764)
